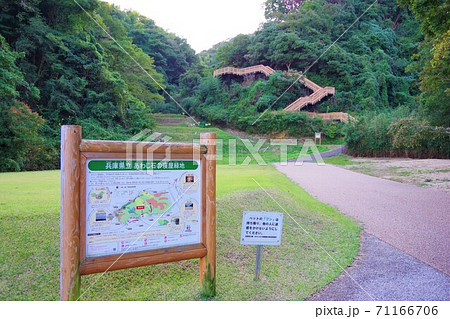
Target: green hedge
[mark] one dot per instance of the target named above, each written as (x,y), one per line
(383,135)
(418,139)
(293,123)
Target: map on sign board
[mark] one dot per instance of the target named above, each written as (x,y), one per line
(261,228)
(141,205)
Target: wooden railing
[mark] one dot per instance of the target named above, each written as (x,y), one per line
(333,116)
(310,84)
(303,101)
(266,70)
(318,92)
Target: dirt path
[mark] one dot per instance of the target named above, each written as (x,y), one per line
(413,219)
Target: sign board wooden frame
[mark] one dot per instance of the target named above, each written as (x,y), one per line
(74,154)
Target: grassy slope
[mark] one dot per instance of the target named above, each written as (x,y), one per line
(29,250)
(29,228)
(270,153)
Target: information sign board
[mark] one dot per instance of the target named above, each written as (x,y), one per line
(261,228)
(141,205)
(128,204)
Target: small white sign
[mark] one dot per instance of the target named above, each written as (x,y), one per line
(261,228)
(318,135)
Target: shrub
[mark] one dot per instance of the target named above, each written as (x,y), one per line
(333,130)
(385,135)
(416,138)
(93,129)
(293,123)
(368,136)
(21,143)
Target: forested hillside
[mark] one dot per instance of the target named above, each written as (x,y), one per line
(395,55)
(59,67)
(390,70)
(367,65)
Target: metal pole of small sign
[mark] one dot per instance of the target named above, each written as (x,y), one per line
(259,229)
(258,261)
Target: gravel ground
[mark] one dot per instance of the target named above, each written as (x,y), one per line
(413,219)
(428,173)
(386,273)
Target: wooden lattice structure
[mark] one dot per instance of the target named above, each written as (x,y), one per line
(318,94)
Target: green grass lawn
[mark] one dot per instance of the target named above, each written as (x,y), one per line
(269,153)
(29,250)
(340,160)
(29,228)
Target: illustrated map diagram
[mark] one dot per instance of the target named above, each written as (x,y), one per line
(136,211)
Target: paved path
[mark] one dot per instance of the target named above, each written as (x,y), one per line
(413,219)
(387,273)
(410,221)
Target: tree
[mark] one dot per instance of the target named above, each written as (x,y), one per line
(19,125)
(172,55)
(71,72)
(235,53)
(366,66)
(274,9)
(433,59)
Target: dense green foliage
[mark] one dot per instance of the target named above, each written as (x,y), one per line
(20,142)
(375,67)
(433,58)
(275,9)
(387,134)
(172,55)
(367,64)
(229,103)
(394,134)
(60,65)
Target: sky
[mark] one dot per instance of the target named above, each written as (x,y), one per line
(202,23)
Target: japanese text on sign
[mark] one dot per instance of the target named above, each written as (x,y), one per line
(261,228)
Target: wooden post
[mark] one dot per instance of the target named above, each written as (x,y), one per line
(208,263)
(70,212)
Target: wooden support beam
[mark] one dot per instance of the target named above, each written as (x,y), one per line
(208,262)
(138,259)
(70,212)
(140,147)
